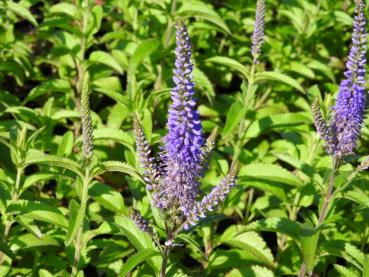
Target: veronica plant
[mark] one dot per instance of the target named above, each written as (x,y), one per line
(348,113)
(174,182)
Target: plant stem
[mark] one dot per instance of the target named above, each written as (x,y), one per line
(79,239)
(15,196)
(165,260)
(324,210)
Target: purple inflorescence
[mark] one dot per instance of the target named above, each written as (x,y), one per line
(258,34)
(174,182)
(348,112)
(184,141)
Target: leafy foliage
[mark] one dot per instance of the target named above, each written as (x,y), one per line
(54,202)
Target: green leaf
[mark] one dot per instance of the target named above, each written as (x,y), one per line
(187,238)
(107,197)
(26,241)
(278,121)
(201,10)
(115,166)
(276,224)
(21,11)
(36,178)
(254,271)
(29,224)
(231,63)
(203,82)
(57,85)
(343,271)
(38,211)
(234,116)
(6,250)
(280,77)
(309,244)
(37,157)
(254,245)
(138,239)
(66,144)
(74,221)
(113,135)
(136,259)
(344,250)
(106,59)
(65,8)
(269,172)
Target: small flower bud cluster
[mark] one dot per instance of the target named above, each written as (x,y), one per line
(258,34)
(141,223)
(87,131)
(216,196)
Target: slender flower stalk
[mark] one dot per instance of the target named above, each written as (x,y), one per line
(174,181)
(348,113)
(87,133)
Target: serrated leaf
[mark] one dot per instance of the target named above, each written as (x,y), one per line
(106,59)
(74,221)
(113,135)
(280,77)
(234,116)
(36,178)
(309,244)
(276,224)
(255,271)
(139,239)
(57,85)
(254,245)
(345,272)
(231,63)
(136,259)
(116,166)
(269,172)
(6,250)
(26,241)
(38,211)
(66,144)
(107,197)
(29,224)
(201,10)
(21,11)
(37,157)
(65,8)
(278,121)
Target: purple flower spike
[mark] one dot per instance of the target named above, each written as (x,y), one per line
(174,181)
(350,103)
(184,141)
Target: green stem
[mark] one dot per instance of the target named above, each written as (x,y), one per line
(83,208)
(324,210)
(10,222)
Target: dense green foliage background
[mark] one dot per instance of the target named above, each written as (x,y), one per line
(266,225)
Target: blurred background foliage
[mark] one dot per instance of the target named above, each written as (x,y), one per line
(265,226)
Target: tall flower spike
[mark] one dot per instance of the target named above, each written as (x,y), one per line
(322,128)
(87,132)
(350,102)
(184,141)
(217,195)
(258,34)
